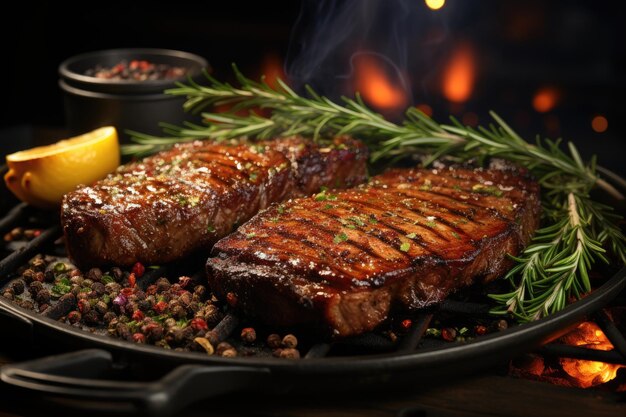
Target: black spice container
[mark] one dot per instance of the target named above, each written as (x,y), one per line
(127,104)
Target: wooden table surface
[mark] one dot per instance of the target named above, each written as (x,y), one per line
(478,395)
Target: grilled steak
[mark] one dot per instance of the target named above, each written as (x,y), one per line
(175,202)
(340,261)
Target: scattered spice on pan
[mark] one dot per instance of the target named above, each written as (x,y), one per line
(19,233)
(181,315)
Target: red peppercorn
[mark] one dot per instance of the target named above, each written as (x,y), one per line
(74,317)
(448,334)
(132,280)
(198,324)
(406,324)
(138,315)
(138,270)
(159,307)
(480,330)
(231,299)
(127,291)
(184,281)
(248,334)
(151,290)
(83,305)
(139,338)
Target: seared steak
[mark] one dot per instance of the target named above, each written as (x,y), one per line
(340,261)
(175,202)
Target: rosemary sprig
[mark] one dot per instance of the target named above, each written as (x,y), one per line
(552,270)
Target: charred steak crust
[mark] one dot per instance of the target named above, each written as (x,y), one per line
(184,199)
(341,261)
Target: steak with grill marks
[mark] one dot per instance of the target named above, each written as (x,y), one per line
(341,261)
(184,199)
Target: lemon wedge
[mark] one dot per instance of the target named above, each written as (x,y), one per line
(40,176)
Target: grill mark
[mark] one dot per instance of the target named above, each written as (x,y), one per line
(379,238)
(440,219)
(395,229)
(489,209)
(331,233)
(352,271)
(379,210)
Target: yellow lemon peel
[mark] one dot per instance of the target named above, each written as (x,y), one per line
(41,176)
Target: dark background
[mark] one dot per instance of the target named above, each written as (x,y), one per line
(575,48)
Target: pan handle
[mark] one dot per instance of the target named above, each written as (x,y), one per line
(77,376)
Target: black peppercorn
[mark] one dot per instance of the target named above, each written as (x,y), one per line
(43,296)
(122,331)
(274,341)
(35,287)
(17,286)
(49,276)
(162,284)
(98,288)
(108,317)
(94,274)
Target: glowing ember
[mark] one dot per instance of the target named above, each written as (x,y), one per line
(599,124)
(587,374)
(458,77)
(375,85)
(545,99)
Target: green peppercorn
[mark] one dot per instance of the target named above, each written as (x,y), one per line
(117,274)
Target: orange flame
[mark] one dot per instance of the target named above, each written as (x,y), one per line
(272,68)
(375,86)
(545,99)
(458,77)
(584,373)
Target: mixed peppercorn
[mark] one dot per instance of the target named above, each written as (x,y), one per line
(182,316)
(137,70)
